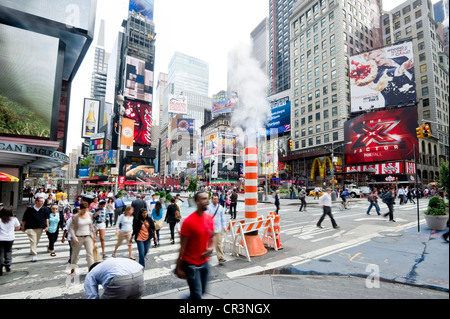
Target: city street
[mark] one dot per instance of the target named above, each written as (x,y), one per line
(361,241)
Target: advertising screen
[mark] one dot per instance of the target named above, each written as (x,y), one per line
(141,113)
(28,62)
(280,116)
(383,77)
(381,136)
(143,7)
(177,104)
(225,102)
(186,125)
(91,118)
(138,80)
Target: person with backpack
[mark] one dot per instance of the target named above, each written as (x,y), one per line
(344,196)
(373,200)
(388,199)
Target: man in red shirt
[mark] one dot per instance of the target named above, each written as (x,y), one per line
(197,244)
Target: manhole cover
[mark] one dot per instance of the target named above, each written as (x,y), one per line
(11,276)
(391,234)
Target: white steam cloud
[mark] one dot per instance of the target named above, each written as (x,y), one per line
(250,82)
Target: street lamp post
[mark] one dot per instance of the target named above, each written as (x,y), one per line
(121,111)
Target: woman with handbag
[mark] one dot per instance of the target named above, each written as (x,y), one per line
(157,214)
(172,219)
(124,230)
(143,231)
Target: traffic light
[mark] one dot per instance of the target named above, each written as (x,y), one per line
(291,144)
(419,131)
(427,130)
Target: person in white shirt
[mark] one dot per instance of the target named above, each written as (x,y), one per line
(220,224)
(325,202)
(8,224)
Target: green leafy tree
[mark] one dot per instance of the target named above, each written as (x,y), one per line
(443,178)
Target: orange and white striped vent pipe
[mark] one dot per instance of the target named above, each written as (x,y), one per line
(251,184)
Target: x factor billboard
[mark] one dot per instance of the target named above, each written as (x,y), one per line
(381,136)
(383,77)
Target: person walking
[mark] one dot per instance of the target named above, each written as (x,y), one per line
(94,204)
(54,223)
(143,232)
(401,195)
(409,196)
(8,224)
(277,201)
(138,204)
(373,200)
(110,208)
(82,233)
(99,217)
(388,199)
(119,208)
(170,218)
(34,222)
(50,201)
(157,216)
(63,203)
(121,278)
(78,201)
(233,203)
(220,225)
(196,245)
(302,197)
(325,202)
(66,233)
(124,230)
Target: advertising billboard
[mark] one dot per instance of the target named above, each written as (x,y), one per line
(138,80)
(381,136)
(383,77)
(27,83)
(177,104)
(211,141)
(141,114)
(91,121)
(126,139)
(280,116)
(228,167)
(225,102)
(143,7)
(186,125)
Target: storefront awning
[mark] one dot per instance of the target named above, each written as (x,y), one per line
(7,178)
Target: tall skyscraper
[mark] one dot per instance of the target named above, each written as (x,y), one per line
(413,21)
(324,34)
(441,17)
(98,80)
(279,47)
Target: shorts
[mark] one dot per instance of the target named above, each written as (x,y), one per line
(99,226)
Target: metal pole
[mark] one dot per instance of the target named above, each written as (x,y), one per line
(417,190)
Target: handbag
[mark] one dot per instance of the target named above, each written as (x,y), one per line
(177,215)
(158,224)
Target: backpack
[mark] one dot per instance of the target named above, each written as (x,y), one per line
(369,199)
(384,198)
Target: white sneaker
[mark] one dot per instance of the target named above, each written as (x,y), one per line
(34,259)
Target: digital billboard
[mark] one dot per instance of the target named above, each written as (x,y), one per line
(383,77)
(143,7)
(381,136)
(177,104)
(91,118)
(280,116)
(225,102)
(28,66)
(141,113)
(138,80)
(186,125)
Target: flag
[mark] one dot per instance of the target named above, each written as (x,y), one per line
(167,141)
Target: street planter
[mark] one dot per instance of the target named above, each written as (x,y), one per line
(436,222)
(436,214)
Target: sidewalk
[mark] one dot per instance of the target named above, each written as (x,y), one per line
(415,283)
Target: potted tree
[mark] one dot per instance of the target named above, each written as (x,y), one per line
(436,215)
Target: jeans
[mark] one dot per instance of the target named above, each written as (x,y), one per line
(303,200)
(6,253)
(197,278)
(376,207)
(52,238)
(143,247)
(233,210)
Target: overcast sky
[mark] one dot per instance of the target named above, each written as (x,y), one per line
(205,29)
